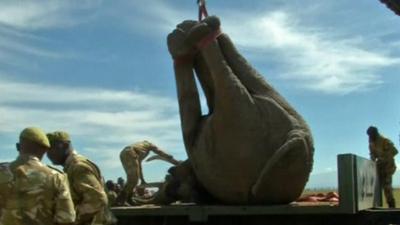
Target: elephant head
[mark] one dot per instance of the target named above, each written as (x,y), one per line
(252,147)
(180,185)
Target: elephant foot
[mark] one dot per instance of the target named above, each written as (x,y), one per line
(185,40)
(205,32)
(283,179)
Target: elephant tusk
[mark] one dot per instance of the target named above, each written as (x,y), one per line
(163,158)
(150,185)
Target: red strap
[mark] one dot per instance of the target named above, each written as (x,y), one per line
(208,39)
(188,58)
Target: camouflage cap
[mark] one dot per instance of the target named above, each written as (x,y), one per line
(58,136)
(35,135)
(372,130)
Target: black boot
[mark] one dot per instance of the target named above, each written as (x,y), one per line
(392,203)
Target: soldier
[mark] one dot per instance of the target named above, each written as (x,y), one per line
(30,192)
(118,189)
(86,182)
(131,157)
(111,192)
(121,182)
(382,151)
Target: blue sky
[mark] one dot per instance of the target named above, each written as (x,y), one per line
(101,71)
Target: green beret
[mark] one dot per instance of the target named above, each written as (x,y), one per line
(35,135)
(59,136)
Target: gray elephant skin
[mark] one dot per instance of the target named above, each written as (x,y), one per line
(252,147)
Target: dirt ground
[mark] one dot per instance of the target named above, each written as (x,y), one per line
(315,191)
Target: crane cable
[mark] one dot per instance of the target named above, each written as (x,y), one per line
(205,41)
(212,36)
(202,9)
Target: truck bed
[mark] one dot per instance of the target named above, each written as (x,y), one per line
(359,193)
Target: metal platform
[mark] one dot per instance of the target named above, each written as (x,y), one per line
(358,190)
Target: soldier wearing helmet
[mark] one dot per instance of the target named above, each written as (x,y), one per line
(31,192)
(131,158)
(85,179)
(382,151)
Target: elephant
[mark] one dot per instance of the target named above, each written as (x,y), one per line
(393,5)
(180,185)
(252,147)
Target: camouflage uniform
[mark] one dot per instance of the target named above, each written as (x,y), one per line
(32,193)
(383,151)
(131,157)
(88,193)
(112,198)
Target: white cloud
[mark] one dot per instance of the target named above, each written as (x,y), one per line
(48,14)
(155,17)
(6,160)
(99,120)
(15,92)
(12,47)
(20,19)
(44,14)
(312,57)
(315,58)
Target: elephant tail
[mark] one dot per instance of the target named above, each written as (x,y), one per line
(284,176)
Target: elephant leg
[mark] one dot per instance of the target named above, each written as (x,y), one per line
(189,102)
(250,78)
(219,82)
(229,91)
(204,76)
(290,160)
(131,166)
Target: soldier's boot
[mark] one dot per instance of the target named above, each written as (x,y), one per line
(388,190)
(391,203)
(123,199)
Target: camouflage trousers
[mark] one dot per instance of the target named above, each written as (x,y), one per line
(130,162)
(385,179)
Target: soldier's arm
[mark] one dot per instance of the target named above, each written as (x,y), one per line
(91,192)
(390,149)
(372,153)
(64,207)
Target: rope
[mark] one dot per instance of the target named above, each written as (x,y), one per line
(202,43)
(208,39)
(188,58)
